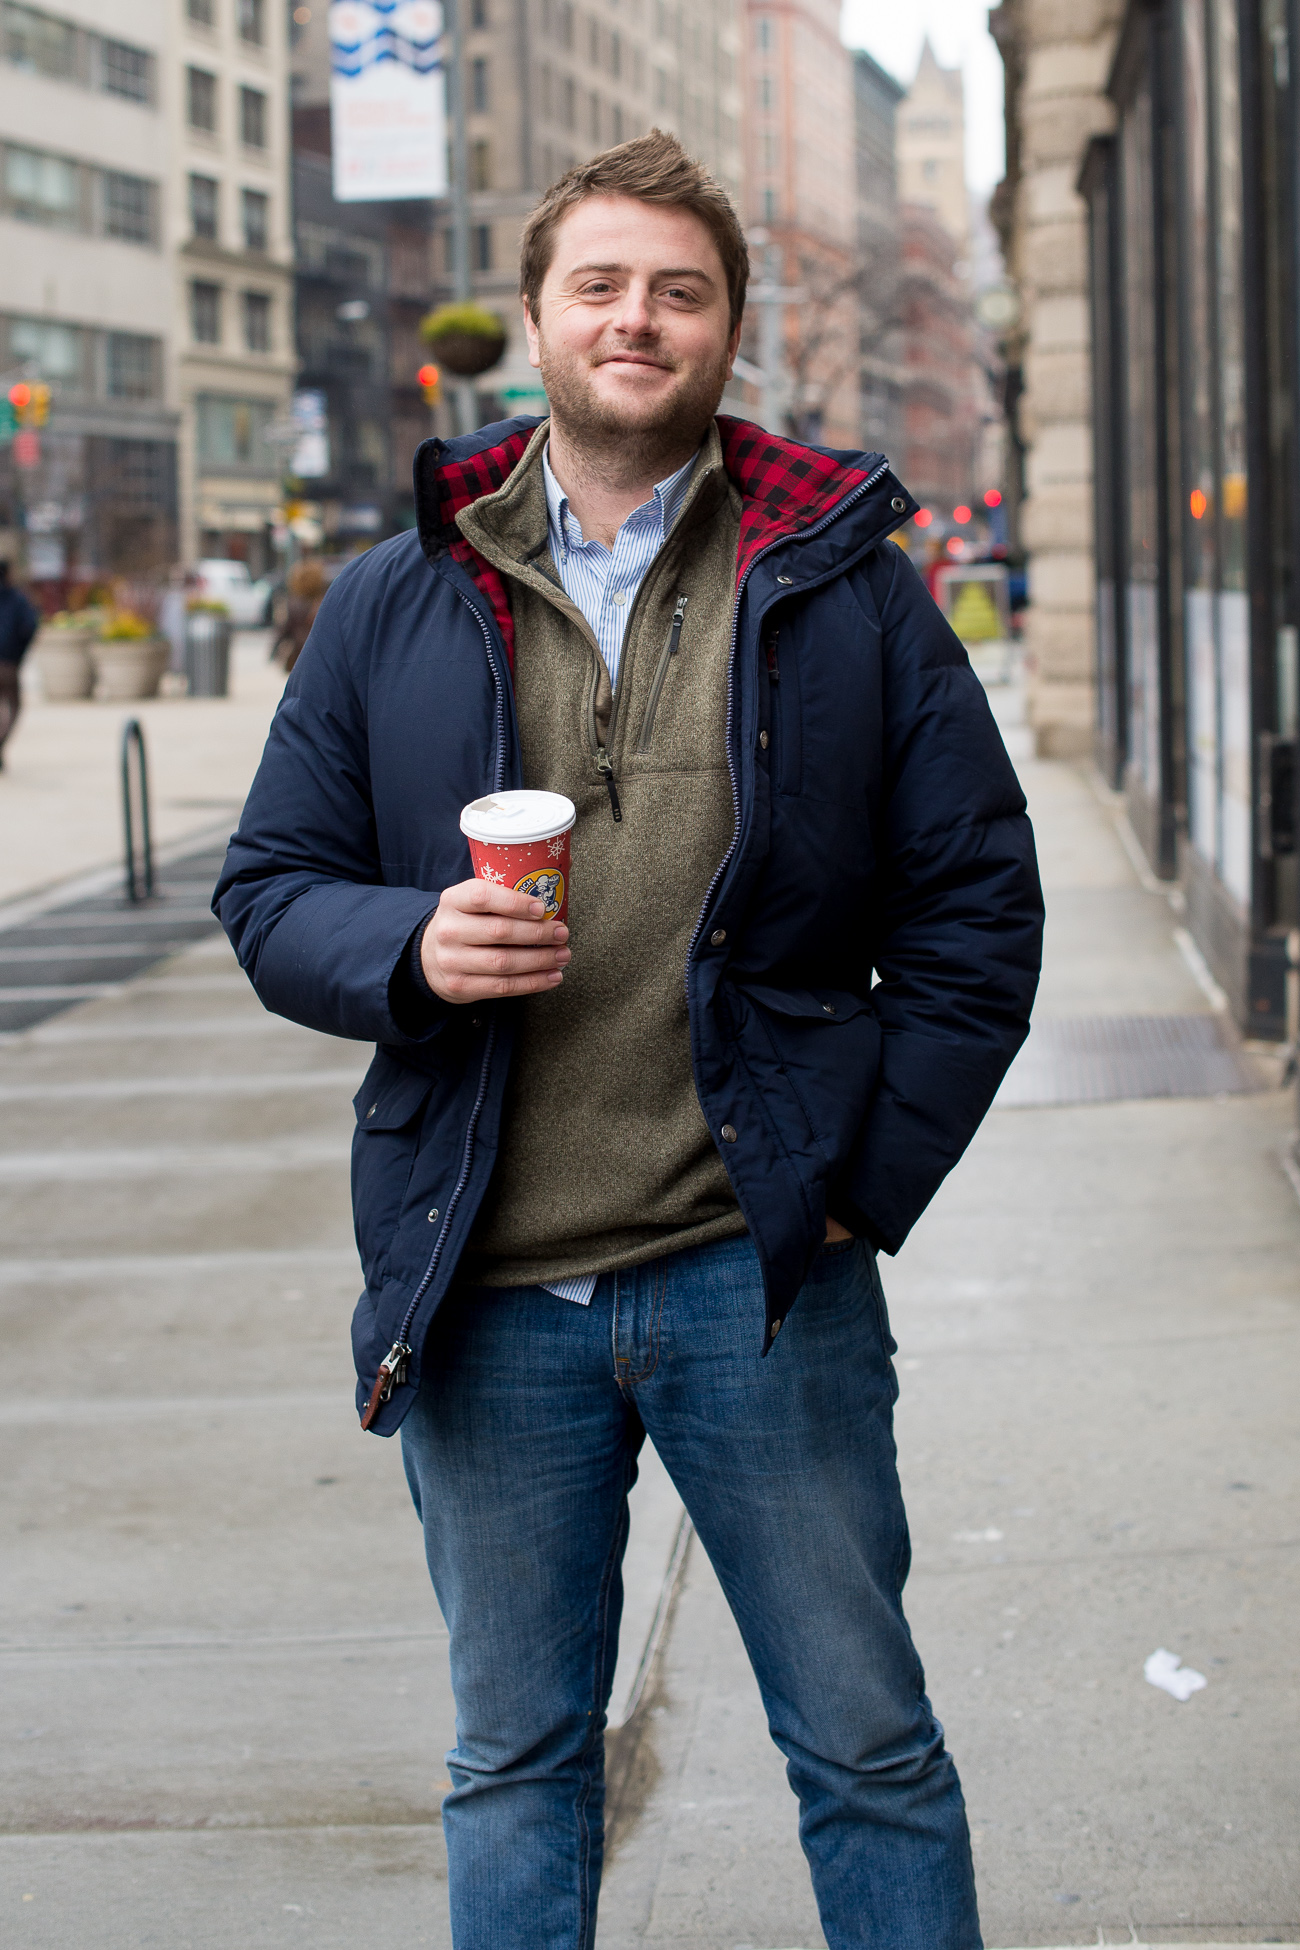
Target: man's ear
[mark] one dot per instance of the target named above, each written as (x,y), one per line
(733,344)
(530,332)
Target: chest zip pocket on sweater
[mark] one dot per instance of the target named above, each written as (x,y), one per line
(666,656)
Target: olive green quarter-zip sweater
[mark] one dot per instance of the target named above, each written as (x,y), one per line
(605,1158)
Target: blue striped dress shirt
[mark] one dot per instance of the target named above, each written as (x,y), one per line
(603,583)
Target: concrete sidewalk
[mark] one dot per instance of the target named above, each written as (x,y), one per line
(1098,1325)
(60,790)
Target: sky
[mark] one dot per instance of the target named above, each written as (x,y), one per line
(959,33)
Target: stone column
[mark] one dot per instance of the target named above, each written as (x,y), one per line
(1058,53)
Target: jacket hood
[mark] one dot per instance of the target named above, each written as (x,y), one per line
(785,488)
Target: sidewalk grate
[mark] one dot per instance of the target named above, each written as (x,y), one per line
(89,947)
(1103,1059)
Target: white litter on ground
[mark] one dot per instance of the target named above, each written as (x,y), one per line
(1166,1670)
(977,1536)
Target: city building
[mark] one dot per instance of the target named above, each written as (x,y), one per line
(932,146)
(801,211)
(144,230)
(1151,209)
(876,96)
(229,225)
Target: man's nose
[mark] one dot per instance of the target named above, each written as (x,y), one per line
(636,315)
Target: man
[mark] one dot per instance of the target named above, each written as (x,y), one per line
(19,621)
(632,1179)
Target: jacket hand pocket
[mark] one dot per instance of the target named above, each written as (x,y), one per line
(390,1109)
(824,1046)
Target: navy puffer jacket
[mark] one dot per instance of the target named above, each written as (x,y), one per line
(879,827)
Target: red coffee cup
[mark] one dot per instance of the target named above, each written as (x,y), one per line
(521,840)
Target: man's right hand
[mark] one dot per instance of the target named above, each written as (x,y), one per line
(486,941)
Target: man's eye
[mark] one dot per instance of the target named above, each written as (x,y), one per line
(680,291)
(599,290)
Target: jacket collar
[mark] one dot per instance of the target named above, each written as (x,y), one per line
(785,488)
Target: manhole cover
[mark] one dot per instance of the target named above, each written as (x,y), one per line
(1099,1059)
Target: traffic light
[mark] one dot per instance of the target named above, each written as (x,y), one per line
(30,404)
(430,381)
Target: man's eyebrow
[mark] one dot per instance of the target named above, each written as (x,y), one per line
(671,271)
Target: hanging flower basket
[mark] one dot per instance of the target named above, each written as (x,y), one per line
(464,339)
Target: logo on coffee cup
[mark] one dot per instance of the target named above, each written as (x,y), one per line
(545,885)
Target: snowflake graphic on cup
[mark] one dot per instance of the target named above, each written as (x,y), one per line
(490,873)
(546,886)
(556,846)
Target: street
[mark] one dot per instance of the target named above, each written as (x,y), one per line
(227,1703)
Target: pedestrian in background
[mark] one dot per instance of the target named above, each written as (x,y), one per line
(307,585)
(634,1181)
(19,622)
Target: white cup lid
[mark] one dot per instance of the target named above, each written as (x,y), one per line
(517,818)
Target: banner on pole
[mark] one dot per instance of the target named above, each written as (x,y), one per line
(388,103)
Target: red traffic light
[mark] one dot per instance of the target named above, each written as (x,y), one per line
(992,498)
(1199,503)
(20,396)
(961,514)
(428,375)
(923,517)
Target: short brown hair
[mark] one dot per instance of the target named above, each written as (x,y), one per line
(654,169)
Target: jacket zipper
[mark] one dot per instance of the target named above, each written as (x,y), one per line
(780,542)
(666,656)
(599,751)
(393,1367)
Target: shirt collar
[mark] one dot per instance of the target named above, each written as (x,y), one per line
(666,502)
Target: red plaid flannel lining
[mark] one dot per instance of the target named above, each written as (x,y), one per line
(784,488)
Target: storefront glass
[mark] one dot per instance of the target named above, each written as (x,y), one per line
(1142,456)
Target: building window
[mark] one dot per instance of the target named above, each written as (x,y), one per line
(257,220)
(56,349)
(616,123)
(766,91)
(43,189)
(33,40)
(568,102)
(252,118)
(204,192)
(131,365)
(661,88)
(126,70)
(252,22)
(231,432)
(128,207)
(480,165)
(478,13)
(478,87)
(770,209)
(593,41)
(763,36)
(257,321)
(616,54)
(201,99)
(593,115)
(482,239)
(771,151)
(205,312)
(201,11)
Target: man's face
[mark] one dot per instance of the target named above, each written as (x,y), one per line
(633,338)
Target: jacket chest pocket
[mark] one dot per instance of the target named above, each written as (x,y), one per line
(784,722)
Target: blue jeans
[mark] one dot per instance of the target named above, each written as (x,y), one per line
(520,1452)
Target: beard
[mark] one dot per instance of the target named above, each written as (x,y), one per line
(640,436)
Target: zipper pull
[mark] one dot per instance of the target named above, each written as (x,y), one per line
(674,634)
(606,771)
(392,1373)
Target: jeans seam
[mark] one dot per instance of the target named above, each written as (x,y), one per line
(657,1308)
(597,1729)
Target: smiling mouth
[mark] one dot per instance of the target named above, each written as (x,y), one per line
(634,359)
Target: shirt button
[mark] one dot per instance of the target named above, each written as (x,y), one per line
(762,739)
(372,1110)
(898,504)
(776,1328)
(619,596)
(433,1216)
(787,580)
(718,936)
(728,1134)
(828,1008)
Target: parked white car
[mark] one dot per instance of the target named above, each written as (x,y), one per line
(228,582)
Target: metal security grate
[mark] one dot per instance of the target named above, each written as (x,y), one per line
(88,948)
(1100,1059)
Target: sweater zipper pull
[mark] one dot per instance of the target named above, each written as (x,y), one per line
(606,771)
(392,1373)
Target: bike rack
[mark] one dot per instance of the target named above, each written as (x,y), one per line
(139,883)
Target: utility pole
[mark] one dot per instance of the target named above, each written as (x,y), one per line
(465,396)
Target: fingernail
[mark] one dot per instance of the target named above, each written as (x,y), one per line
(561,933)
(536,909)
(564,955)
(556,975)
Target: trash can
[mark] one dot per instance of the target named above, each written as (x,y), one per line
(207,654)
